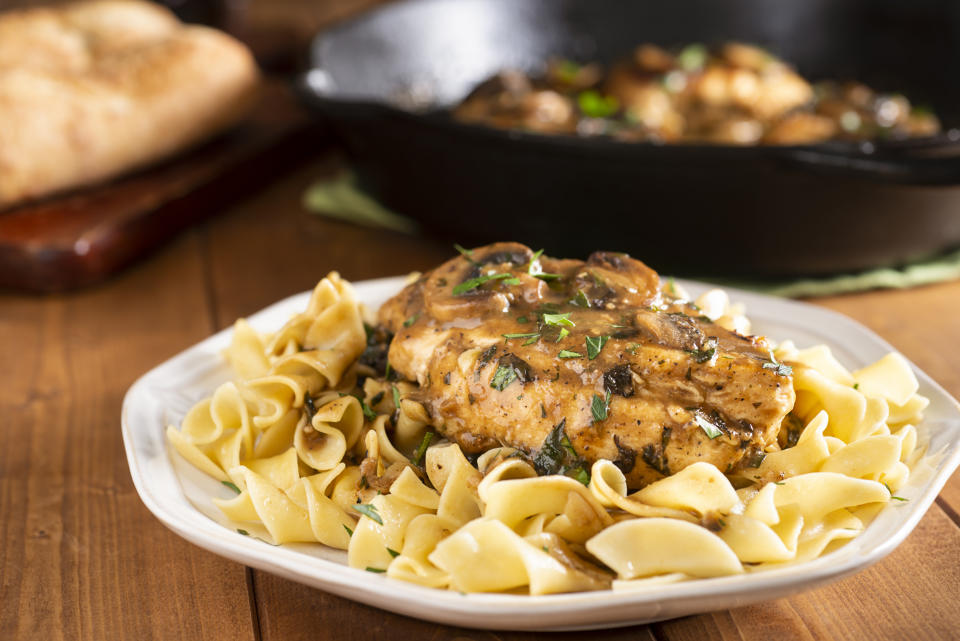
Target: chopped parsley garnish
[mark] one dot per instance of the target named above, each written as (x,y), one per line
(231,486)
(368,413)
(396,396)
(595,344)
(780,369)
(692,57)
(473,283)
(580,300)
(523,319)
(892,496)
(532,340)
(243,532)
(558,319)
(526,335)
(566,353)
(377,570)
(595,105)
(422,449)
(370,511)
(503,377)
(534,270)
(558,456)
(562,334)
(410,321)
(779,482)
(566,71)
(600,406)
(856,386)
(708,427)
(486,356)
(388,371)
(393,552)
(349,531)
(466,253)
(581,475)
(512,281)
(706,352)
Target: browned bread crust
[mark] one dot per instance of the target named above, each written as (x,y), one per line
(94,89)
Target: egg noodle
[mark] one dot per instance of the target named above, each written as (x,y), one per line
(315,456)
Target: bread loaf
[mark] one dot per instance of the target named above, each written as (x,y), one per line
(94,89)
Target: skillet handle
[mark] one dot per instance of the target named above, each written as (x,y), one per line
(908,169)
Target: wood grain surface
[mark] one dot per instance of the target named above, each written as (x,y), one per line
(82,558)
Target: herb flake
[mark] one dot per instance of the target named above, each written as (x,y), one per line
(566,353)
(600,407)
(396,396)
(368,412)
(780,369)
(503,377)
(232,486)
(558,456)
(473,283)
(709,428)
(558,319)
(466,253)
(422,449)
(595,344)
(368,510)
(580,300)
(706,352)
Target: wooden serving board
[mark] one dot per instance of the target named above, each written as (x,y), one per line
(83,237)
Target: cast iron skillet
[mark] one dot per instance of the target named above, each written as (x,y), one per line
(691,209)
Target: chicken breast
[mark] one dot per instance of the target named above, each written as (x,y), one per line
(571,362)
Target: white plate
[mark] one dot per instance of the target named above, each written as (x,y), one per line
(180,496)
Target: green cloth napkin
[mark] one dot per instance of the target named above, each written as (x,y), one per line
(340,197)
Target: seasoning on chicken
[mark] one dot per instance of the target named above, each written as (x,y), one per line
(590,359)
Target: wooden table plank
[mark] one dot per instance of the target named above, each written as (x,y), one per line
(80,556)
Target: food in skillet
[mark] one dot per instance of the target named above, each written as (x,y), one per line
(510,421)
(739,94)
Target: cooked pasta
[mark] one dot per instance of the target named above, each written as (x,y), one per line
(322,450)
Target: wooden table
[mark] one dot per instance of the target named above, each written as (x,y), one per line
(82,558)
